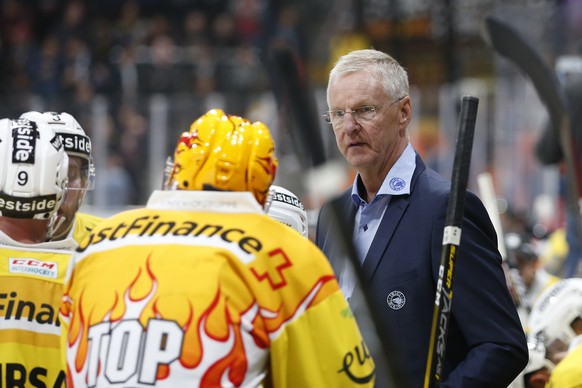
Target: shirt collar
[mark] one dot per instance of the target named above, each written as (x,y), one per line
(398,180)
(210,201)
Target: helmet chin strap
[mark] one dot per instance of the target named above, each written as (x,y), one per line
(269,200)
(54,225)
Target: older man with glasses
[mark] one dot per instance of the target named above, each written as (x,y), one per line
(396,209)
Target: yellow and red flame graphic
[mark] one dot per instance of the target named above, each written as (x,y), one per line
(161,314)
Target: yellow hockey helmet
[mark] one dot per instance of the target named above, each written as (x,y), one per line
(224,152)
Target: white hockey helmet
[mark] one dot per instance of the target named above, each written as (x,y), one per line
(76,142)
(537,363)
(537,357)
(33,170)
(285,207)
(555,310)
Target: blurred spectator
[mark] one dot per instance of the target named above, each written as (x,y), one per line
(223,33)
(204,71)
(287,31)
(16,24)
(77,63)
(119,188)
(161,75)
(45,68)
(348,38)
(195,29)
(240,74)
(247,16)
(74,22)
(130,29)
(523,256)
(133,148)
(124,58)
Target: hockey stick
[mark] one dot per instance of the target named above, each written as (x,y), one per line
(297,106)
(487,192)
(296,98)
(451,241)
(516,288)
(509,43)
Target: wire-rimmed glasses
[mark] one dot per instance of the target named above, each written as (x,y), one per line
(360,113)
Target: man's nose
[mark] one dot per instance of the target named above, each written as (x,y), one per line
(349,122)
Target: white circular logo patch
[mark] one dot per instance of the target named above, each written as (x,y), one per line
(397,184)
(396,300)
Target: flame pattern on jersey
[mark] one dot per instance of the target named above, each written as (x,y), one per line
(191,308)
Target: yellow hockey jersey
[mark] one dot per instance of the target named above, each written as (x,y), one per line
(568,372)
(84,224)
(31,288)
(203,289)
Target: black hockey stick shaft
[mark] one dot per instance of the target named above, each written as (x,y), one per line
(298,107)
(297,100)
(451,241)
(508,42)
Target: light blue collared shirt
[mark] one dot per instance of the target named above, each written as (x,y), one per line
(369,215)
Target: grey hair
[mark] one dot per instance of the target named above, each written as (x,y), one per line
(393,76)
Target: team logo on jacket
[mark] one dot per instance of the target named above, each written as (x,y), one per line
(396,300)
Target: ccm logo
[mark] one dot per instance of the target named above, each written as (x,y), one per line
(33,263)
(28,266)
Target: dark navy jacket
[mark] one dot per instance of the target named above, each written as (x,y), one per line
(486,344)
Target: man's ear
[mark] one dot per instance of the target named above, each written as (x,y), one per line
(405,110)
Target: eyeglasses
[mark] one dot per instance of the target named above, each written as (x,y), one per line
(361,113)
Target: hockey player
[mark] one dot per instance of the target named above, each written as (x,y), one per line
(568,373)
(556,322)
(203,288)
(285,207)
(33,183)
(73,225)
(523,257)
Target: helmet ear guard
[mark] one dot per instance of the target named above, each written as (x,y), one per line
(33,170)
(223,152)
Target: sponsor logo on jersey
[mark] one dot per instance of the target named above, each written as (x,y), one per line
(47,269)
(162,342)
(18,207)
(152,225)
(355,359)
(76,143)
(16,309)
(280,197)
(18,375)
(24,135)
